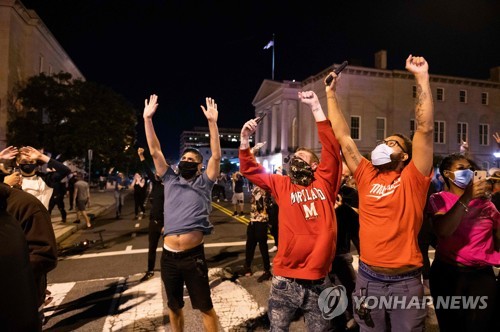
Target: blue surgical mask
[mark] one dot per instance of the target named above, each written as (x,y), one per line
(463,177)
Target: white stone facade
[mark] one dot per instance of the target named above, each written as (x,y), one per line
(381,102)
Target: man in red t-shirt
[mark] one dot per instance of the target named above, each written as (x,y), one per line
(392,192)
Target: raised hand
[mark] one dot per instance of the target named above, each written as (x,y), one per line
(496,136)
(150,106)
(416,65)
(310,98)
(210,112)
(333,84)
(31,153)
(249,128)
(9,153)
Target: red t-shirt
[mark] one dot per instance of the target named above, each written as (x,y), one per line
(307,223)
(391,207)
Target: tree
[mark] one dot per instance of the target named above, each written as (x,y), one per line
(68,117)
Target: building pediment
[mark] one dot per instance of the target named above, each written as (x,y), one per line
(270,90)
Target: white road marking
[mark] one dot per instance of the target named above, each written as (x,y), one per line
(142,307)
(128,250)
(58,292)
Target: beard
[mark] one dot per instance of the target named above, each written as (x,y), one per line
(396,159)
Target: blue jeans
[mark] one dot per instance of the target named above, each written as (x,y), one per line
(402,317)
(119,201)
(287,296)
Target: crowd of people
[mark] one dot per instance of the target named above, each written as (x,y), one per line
(390,208)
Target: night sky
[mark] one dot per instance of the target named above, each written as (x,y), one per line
(185,50)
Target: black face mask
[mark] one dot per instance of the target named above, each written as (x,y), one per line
(300,172)
(188,169)
(28,168)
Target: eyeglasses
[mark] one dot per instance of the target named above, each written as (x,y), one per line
(391,143)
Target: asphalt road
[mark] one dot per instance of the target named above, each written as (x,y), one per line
(96,287)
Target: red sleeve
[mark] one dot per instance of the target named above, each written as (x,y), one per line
(253,171)
(330,166)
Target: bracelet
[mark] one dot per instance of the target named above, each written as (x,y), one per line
(465,206)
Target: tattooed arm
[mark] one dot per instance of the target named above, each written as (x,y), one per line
(422,151)
(340,128)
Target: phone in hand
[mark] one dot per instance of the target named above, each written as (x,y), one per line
(337,71)
(479,175)
(259,119)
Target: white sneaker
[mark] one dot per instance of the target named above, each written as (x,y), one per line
(273,249)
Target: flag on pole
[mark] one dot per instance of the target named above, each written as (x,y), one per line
(269,45)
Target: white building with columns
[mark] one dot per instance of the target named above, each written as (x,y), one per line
(376,103)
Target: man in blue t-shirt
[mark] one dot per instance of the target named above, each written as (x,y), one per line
(187,207)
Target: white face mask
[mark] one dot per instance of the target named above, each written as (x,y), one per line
(381,155)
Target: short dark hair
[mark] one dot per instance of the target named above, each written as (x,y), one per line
(195,151)
(449,160)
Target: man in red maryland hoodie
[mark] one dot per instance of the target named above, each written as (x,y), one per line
(307,223)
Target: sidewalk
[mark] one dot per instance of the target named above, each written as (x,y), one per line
(100,202)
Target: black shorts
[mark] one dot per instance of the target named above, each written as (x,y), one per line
(187,267)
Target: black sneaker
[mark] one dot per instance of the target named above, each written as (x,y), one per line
(265,276)
(235,213)
(148,275)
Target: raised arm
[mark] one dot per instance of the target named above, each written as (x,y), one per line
(423,145)
(161,164)
(213,165)
(311,99)
(147,169)
(496,136)
(340,128)
(9,153)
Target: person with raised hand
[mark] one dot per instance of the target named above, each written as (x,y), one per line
(392,190)
(307,222)
(186,221)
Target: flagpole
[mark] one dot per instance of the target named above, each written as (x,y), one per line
(274,47)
